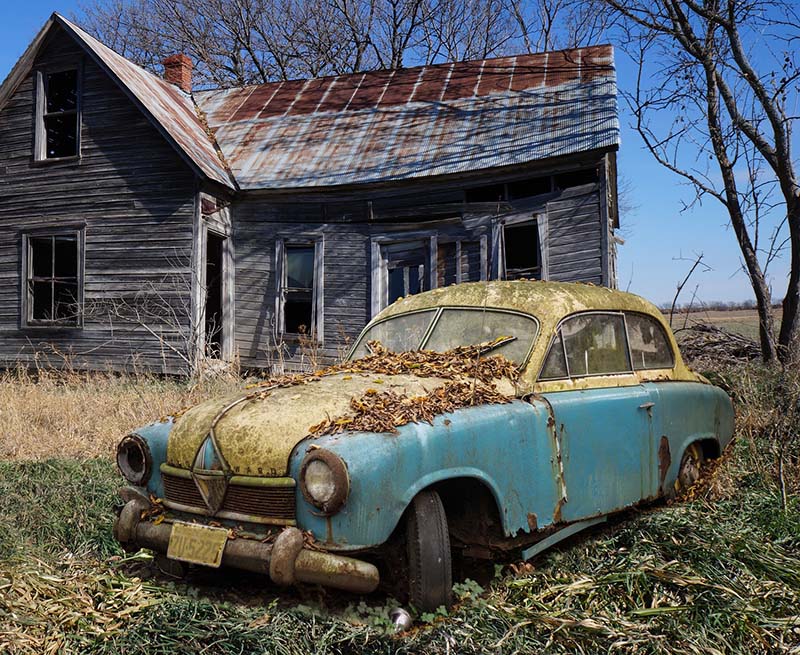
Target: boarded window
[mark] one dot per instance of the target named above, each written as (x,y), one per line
(59,116)
(649,345)
(522,252)
(53,279)
(459,261)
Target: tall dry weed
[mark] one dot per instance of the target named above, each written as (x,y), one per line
(48,413)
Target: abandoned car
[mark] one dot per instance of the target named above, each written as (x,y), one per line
(472,421)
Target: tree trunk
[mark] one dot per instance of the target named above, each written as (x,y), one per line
(790,322)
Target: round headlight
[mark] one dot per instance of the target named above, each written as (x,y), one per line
(324,481)
(134,460)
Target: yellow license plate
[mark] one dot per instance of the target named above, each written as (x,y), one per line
(197,544)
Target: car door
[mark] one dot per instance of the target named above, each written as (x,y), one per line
(601,416)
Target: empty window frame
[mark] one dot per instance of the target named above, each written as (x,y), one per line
(300,297)
(58,115)
(407,269)
(522,251)
(53,279)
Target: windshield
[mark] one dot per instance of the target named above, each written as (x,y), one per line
(398,334)
(455,327)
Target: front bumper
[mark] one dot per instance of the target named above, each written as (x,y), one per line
(286,560)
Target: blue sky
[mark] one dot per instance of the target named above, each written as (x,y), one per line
(656,233)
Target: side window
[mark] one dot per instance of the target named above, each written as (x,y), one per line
(300,277)
(53,279)
(588,344)
(595,344)
(58,115)
(555,364)
(649,345)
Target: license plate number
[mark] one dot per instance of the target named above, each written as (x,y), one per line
(197,544)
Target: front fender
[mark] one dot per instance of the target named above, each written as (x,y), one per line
(504,446)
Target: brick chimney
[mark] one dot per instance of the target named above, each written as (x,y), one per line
(178,71)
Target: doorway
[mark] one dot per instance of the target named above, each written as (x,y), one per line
(215,248)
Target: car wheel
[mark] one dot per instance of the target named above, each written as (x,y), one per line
(689,471)
(430,572)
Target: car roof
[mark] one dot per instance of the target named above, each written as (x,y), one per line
(548,301)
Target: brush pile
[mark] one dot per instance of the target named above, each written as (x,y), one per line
(708,343)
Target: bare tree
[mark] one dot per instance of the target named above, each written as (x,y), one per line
(714,102)
(239,42)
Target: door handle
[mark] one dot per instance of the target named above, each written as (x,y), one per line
(646,405)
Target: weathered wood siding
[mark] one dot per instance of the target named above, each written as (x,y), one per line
(350,224)
(136,200)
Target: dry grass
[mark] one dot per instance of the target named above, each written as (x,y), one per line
(80,415)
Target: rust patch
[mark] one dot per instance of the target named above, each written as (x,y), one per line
(664,460)
(557,513)
(533,523)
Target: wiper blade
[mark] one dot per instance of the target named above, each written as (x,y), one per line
(489,346)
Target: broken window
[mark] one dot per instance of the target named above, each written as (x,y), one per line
(299,289)
(649,345)
(58,134)
(53,279)
(522,251)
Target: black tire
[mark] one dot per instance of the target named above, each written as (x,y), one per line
(689,470)
(430,572)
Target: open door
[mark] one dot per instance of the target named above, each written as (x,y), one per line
(214,316)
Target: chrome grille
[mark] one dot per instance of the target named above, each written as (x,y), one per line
(268,502)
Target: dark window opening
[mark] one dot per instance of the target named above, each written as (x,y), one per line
(522,255)
(490,193)
(215,246)
(576,178)
(533,186)
(406,269)
(60,117)
(298,293)
(53,280)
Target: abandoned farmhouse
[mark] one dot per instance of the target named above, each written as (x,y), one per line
(144,223)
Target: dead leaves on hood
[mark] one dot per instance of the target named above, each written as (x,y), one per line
(469,372)
(385,412)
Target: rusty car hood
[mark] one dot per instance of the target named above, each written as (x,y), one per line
(257,436)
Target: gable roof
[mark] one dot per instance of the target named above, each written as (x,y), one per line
(377,126)
(431,120)
(171,110)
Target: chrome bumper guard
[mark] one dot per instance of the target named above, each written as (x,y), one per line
(286,560)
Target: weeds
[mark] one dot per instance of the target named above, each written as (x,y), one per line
(716,574)
(83,415)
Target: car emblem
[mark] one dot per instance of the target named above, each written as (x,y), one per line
(210,474)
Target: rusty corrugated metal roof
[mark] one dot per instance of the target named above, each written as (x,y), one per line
(431,120)
(171,108)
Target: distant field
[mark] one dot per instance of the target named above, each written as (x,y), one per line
(741,321)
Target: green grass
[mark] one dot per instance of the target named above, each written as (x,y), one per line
(703,576)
